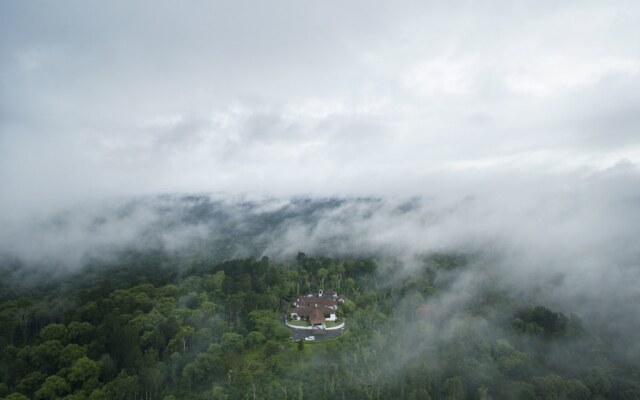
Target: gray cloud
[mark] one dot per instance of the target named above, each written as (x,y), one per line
(119,99)
(512,126)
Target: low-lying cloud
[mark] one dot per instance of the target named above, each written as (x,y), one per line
(506,132)
(577,230)
(567,241)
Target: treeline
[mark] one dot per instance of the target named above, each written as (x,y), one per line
(148,328)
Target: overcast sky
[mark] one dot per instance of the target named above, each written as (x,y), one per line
(123,98)
(514,127)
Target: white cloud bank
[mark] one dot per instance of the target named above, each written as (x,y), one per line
(116,99)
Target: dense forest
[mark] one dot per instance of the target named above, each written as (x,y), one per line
(300,200)
(154,326)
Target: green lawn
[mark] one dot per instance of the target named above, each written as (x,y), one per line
(331,324)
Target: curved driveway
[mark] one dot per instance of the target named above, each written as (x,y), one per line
(297,334)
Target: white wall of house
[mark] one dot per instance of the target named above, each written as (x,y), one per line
(332,317)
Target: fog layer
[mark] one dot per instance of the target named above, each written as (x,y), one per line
(570,242)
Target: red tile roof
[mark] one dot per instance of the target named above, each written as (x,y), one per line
(314,301)
(316,317)
(306,311)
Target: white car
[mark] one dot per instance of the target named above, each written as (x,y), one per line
(310,338)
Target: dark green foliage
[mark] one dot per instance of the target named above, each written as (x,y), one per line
(541,320)
(154,327)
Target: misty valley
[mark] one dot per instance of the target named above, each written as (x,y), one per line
(156,321)
(300,200)
(186,297)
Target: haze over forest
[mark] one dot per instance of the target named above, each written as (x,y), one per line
(506,134)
